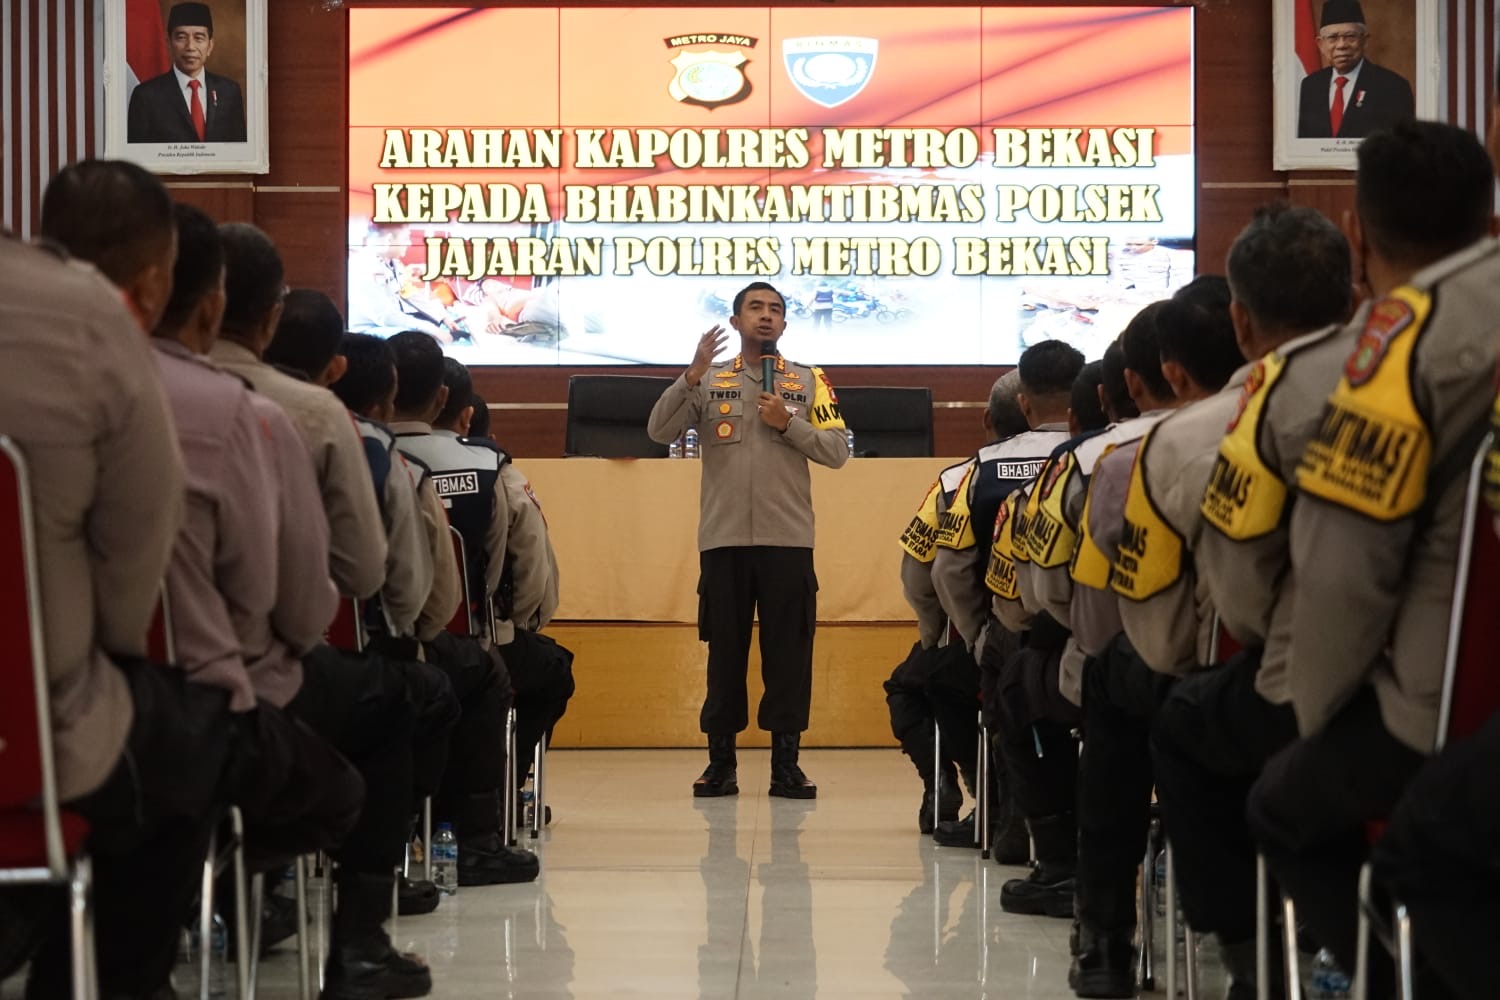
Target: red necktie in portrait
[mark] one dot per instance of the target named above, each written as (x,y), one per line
(195,107)
(1336,110)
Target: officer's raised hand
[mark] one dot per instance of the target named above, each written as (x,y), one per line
(709,347)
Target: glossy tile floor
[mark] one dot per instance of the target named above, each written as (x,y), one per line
(647,892)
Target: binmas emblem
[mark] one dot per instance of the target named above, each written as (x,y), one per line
(830,69)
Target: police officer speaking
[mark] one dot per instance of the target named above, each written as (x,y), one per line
(755,530)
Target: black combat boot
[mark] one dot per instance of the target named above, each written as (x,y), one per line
(787,779)
(1104,968)
(483,856)
(919,749)
(1048,890)
(362,965)
(1011,844)
(721,776)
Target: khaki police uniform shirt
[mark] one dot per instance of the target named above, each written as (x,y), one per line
(357,547)
(1375,534)
(408,560)
(919,549)
(1242,557)
(447,585)
(1164,605)
(955,571)
(1053,519)
(756,488)
(80,398)
(1094,613)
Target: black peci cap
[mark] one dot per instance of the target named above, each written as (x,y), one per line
(1341,12)
(190,15)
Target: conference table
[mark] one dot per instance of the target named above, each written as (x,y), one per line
(625,533)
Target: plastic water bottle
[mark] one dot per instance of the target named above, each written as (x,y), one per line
(849,438)
(1328,981)
(445,859)
(690,443)
(674,450)
(218,972)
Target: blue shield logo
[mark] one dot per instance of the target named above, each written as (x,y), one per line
(830,69)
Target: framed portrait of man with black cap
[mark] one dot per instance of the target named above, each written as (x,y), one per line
(185,85)
(1345,68)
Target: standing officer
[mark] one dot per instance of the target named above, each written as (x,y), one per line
(755,530)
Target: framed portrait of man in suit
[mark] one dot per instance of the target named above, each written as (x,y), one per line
(1344,68)
(185,85)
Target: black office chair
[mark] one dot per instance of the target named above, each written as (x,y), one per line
(607,415)
(888,421)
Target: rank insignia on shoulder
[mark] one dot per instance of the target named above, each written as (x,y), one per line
(1387,319)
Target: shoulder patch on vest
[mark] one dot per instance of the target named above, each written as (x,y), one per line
(1245,497)
(919,540)
(1386,321)
(1000,572)
(1148,559)
(1372,450)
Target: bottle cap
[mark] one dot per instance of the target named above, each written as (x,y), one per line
(445,826)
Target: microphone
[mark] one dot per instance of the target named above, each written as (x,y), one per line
(767,364)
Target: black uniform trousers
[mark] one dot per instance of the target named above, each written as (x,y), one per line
(363,707)
(1309,809)
(476,746)
(1033,721)
(149,825)
(936,686)
(1121,696)
(734,583)
(1441,857)
(1211,739)
(541,673)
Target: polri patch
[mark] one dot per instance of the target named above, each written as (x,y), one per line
(1387,319)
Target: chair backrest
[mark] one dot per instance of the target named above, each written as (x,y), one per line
(607,415)
(888,421)
(346,631)
(465,619)
(1471,684)
(27,769)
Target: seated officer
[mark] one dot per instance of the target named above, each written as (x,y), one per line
(1375,529)
(1046,372)
(469,793)
(911,692)
(1289,273)
(143,756)
(458,411)
(364,706)
(511,562)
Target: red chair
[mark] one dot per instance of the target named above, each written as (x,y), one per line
(1471,695)
(465,621)
(40,842)
(160,645)
(347,631)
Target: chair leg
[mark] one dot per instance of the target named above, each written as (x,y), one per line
(1289,943)
(242,913)
(1145,960)
(206,916)
(937,774)
(1405,960)
(538,803)
(1262,929)
(304,949)
(257,902)
(427,837)
(1359,975)
(512,790)
(81,919)
(982,795)
(1171,907)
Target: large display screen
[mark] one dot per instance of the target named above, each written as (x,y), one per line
(925,185)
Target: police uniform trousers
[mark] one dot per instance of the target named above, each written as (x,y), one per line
(1121,696)
(1031,720)
(1440,857)
(149,825)
(935,686)
(476,746)
(736,582)
(541,674)
(1309,811)
(1212,737)
(361,704)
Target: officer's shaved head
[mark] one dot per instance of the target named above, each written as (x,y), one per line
(419,373)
